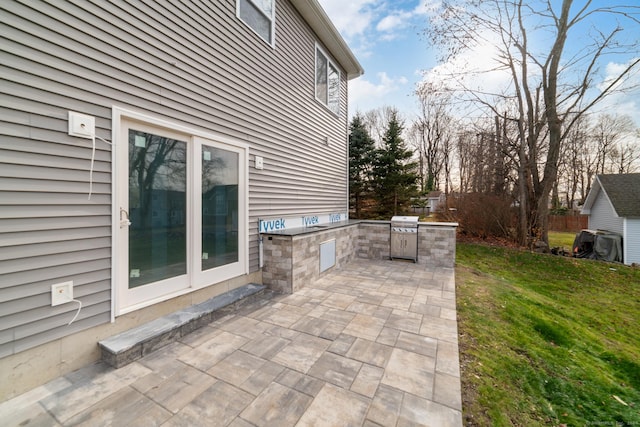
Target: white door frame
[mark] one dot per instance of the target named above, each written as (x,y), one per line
(196,279)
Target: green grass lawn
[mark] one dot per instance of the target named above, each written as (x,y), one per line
(561,238)
(547,340)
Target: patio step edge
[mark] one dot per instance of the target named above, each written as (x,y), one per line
(126,347)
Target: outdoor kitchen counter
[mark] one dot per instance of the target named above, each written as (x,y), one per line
(292,257)
(324,227)
(312,229)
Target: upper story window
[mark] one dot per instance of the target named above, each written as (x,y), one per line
(327,82)
(260,16)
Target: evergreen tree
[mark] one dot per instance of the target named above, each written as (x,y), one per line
(394,174)
(361,154)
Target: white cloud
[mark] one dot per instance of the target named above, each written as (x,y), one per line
(613,70)
(393,22)
(398,20)
(624,99)
(365,95)
(362,87)
(364,22)
(372,28)
(477,68)
(426,7)
(352,17)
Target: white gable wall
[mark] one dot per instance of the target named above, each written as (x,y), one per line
(631,241)
(603,217)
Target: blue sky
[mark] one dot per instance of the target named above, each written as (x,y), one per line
(387,37)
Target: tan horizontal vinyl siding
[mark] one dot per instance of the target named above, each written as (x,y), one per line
(192,63)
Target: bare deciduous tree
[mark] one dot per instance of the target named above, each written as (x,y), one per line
(376,121)
(551,86)
(609,133)
(577,162)
(627,154)
(434,130)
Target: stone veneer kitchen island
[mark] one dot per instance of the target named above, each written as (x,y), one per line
(292,257)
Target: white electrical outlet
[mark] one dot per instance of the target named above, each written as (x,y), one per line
(61,293)
(258,162)
(81,125)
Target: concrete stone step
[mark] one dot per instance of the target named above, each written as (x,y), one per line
(128,346)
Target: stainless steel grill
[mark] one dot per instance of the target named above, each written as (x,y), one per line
(404,237)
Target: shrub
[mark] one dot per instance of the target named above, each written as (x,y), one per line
(479,215)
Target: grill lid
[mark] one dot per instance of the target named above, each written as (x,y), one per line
(405,221)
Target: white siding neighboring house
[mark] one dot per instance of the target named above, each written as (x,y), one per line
(194,122)
(434,200)
(429,204)
(613,204)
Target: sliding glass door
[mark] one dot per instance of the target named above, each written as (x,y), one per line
(182,213)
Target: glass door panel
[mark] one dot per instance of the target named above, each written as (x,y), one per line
(181,215)
(157,208)
(220,208)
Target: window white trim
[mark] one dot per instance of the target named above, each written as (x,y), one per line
(196,279)
(330,64)
(272,20)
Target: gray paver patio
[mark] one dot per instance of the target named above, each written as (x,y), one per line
(369,344)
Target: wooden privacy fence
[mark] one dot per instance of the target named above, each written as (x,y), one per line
(568,222)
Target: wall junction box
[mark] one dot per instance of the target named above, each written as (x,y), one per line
(81,125)
(61,293)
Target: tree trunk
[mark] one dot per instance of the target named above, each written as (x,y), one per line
(523,227)
(550,92)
